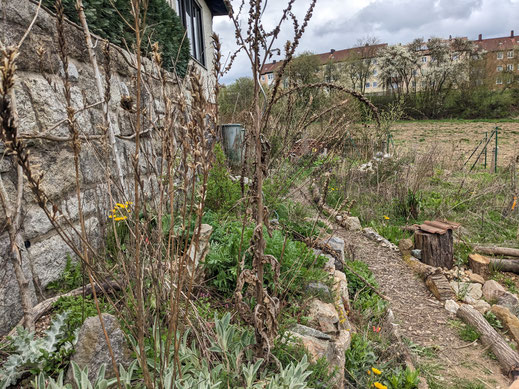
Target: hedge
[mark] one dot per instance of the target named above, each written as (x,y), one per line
(162,26)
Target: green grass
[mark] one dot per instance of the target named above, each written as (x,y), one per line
(460,121)
(465,331)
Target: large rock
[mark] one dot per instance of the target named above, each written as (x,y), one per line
(198,252)
(352,223)
(509,301)
(323,316)
(405,246)
(481,306)
(509,320)
(452,306)
(492,290)
(91,350)
(340,287)
(337,245)
(467,290)
(332,349)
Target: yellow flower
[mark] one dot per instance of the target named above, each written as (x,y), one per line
(121,218)
(386,217)
(378,385)
(376,371)
(368,372)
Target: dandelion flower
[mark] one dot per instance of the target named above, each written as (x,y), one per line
(369,372)
(386,217)
(376,371)
(378,385)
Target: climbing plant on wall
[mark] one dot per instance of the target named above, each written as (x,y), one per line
(106,18)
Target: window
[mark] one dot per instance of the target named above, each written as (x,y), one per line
(424,59)
(373,61)
(271,76)
(191,15)
(455,57)
(375,72)
(510,54)
(413,84)
(499,68)
(500,55)
(375,84)
(510,67)
(368,84)
(499,81)
(414,72)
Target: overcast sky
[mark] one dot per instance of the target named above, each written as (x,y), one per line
(339,24)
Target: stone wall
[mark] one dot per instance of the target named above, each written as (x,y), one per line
(41,107)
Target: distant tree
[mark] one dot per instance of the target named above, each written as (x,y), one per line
(448,68)
(360,65)
(303,69)
(398,66)
(236,98)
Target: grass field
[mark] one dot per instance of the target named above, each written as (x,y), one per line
(458,137)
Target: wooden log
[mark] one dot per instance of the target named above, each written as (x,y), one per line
(495,250)
(437,249)
(479,265)
(508,358)
(422,269)
(440,287)
(511,265)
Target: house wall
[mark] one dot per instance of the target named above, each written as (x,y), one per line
(41,107)
(207,70)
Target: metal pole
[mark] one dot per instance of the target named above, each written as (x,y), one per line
(486,141)
(495,152)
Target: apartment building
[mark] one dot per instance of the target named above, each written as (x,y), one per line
(496,66)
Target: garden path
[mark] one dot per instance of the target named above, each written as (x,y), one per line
(425,322)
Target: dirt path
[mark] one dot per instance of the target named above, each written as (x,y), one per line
(424,321)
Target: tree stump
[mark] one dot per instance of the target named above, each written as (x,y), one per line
(479,265)
(437,249)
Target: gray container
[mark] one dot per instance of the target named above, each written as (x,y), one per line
(233,137)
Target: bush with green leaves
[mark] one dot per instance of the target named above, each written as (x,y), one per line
(71,278)
(364,299)
(78,308)
(109,18)
(299,265)
(35,355)
(222,194)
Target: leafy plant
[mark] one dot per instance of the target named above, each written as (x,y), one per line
(35,354)
(109,18)
(364,299)
(289,350)
(71,278)
(465,331)
(493,320)
(222,193)
(298,265)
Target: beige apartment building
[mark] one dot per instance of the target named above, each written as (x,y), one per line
(496,66)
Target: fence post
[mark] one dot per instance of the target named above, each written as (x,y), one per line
(495,152)
(486,141)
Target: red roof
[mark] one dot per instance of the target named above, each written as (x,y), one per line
(336,56)
(496,44)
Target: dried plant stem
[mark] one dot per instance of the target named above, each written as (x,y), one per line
(9,120)
(101,91)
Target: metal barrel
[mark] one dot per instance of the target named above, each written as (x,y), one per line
(233,137)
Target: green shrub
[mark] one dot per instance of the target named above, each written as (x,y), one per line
(364,299)
(71,278)
(222,193)
(105,18)
(30,354)
(298,264)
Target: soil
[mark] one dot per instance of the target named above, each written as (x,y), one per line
(424,321)
(460,137)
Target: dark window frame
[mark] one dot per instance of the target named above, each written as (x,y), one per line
(191,15)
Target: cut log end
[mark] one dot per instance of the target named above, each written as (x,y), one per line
(479,265)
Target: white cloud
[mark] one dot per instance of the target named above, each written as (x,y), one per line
(339,24)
